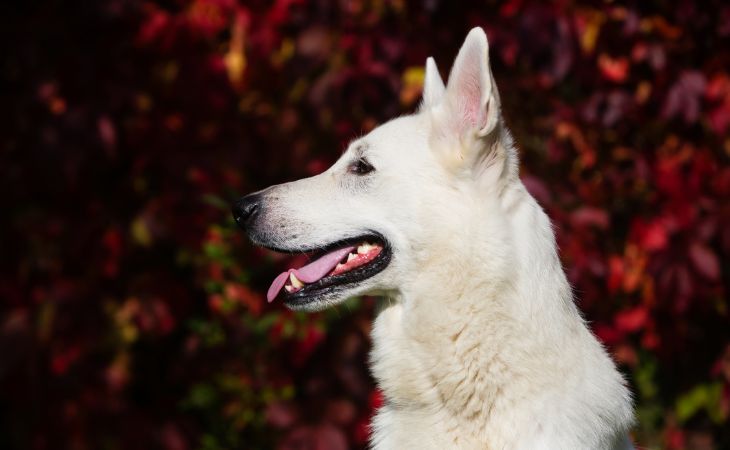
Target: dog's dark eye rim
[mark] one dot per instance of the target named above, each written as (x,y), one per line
(360,167)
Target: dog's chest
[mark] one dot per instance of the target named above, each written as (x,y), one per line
(439,374)
(429,383)
(425,362)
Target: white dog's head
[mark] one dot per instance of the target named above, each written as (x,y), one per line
(410,190)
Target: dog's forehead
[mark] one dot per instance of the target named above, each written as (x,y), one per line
(403,133)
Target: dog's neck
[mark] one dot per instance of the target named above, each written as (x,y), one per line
(462,336)
(476,348)
(506,265)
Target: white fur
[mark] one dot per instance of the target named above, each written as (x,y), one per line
(479,344)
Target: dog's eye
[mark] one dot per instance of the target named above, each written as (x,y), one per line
(360,167)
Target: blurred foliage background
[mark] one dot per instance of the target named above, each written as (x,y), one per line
(133,314)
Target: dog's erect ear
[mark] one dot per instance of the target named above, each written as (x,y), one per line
(433,85)
(467,128)
(471,97)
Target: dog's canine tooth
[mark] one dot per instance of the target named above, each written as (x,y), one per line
(350,257)
(295,282)
(289,288)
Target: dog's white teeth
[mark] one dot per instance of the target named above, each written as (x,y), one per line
(339,266)
(364,248)
(351,256)
(295,282)
(288,288)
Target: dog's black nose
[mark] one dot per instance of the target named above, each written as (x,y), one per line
(245,209)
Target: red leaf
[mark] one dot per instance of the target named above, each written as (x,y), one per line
(61,361)
(684,97)
(537,189)
(607,334)
(590,216)
(376,399)
(650,340)
(615,273)
(281,414)
(718,92)
(631,320)
(704,261)
(652,236)
(616,70)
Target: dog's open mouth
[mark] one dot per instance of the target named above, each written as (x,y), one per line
(341,264)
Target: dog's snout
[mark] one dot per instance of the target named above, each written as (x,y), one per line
(246,209)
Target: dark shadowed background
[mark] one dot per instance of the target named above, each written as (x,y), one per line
(133,313)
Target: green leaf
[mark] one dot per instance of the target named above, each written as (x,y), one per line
(704,396)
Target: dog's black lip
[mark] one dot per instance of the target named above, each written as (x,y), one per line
(311,292)
(316,252)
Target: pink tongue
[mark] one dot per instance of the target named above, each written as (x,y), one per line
(314,271)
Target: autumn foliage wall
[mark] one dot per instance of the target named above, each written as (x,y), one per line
(133,314)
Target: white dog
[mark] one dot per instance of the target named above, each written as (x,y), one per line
(479,344)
